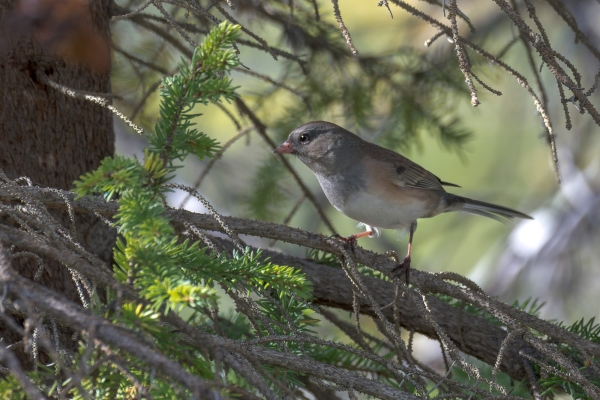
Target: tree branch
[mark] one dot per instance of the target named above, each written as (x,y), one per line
(472,335)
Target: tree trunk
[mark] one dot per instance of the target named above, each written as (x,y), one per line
(52,138)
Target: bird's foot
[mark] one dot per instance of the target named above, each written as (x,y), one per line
(404,266)
(349,242)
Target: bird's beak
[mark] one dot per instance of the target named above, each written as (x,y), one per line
(285,148)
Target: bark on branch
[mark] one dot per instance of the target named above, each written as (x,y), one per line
(471,334)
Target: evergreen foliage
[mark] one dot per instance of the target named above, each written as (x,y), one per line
(172,274)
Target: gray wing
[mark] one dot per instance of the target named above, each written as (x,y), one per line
(406,173)
(409,174)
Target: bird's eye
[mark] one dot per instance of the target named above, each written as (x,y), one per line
(304,138)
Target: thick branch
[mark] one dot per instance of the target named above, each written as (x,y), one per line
(471,334)
(426,281)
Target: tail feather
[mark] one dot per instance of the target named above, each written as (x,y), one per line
(477,207)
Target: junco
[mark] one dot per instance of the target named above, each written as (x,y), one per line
(376,186)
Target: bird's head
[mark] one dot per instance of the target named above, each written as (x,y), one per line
(321,145)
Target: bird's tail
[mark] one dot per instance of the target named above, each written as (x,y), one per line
(499,213)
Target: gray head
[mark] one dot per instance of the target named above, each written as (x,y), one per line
(324,147)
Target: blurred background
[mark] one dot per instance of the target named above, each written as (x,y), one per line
(411,98)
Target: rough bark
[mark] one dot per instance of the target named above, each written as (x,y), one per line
(51,138)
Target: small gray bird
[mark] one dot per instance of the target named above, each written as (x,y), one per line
(376,186)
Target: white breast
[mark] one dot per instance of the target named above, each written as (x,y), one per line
(374,211)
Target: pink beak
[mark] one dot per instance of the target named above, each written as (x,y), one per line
(285,148)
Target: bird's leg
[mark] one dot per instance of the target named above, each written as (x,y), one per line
(350,241)
(405,264)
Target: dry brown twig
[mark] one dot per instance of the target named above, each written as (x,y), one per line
(275,83)
(539,42)
(345,32)
(174,24)
(462,61)
(548,56)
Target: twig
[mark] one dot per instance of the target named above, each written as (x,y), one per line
(141,20)
(291,214)
(594,86)
(507,47)
(462,61)
(572,23)
(548,55)
(42,77)
(340,21)
(144,23)
(435,37)
(75,93)
(503,348)
(212,162)
(145,98)
(234,237)
(277,84)
(8,357)
(56,306)
(133,13)
(539,106)
(233,119)
(384,3)
(532,380)
(173,23)
(520,79)
(427,282)
(138,60)
(14,367)
(316,8)
(260,40)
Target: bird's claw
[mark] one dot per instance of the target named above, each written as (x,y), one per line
(349,242)
(404,266)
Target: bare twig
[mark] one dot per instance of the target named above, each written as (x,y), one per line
(138,60)
(133,13)
(462,61)
(532,380)
(51,304)
(435,37)
(217,156)
(340,21)
(570,20)
(260,40)
(316,8)
(42,77)
(14,367)
(548,56)
(384,3)
(234,237)
(277,84)
(173,23)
